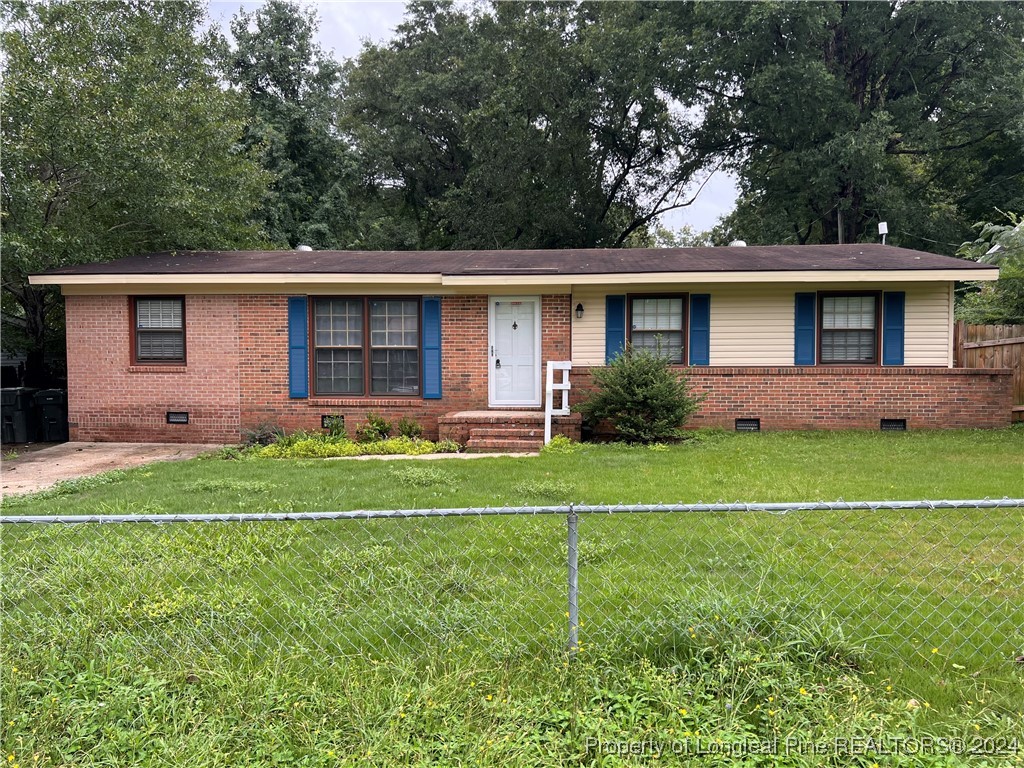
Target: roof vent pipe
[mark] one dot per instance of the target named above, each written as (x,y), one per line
(303,248)
(738,244)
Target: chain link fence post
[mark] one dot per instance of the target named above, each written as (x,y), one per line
(574,582)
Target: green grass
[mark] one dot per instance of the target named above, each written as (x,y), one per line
(380,641)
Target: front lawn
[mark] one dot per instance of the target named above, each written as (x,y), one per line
(441,640)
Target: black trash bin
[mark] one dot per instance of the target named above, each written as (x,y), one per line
(20,420)
(53,415)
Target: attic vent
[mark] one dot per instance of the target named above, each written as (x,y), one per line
(893,425)
(748,425)
(177,417)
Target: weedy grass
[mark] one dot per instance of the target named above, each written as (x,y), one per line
(441,641)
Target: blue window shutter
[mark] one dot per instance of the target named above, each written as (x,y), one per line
(614,326)
(431,348)
(893,313)
(804,352)
(700,329)
(298,347)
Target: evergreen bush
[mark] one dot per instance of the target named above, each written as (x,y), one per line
(642,396)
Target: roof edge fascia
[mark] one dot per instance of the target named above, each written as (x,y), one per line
(483,281)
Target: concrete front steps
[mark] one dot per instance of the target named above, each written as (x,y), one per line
(504,431)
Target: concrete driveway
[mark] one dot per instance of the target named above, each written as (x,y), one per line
(40,465)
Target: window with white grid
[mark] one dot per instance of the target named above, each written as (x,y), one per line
(394,347)
(348,332)
(338,337)
(849,329)
(160,330)
(657,324)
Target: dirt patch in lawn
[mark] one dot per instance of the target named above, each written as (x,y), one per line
(40,465)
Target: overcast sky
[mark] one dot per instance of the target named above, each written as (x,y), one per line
(346,24)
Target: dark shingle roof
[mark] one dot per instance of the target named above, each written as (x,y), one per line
(775,258)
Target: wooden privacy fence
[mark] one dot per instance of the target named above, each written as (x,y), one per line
(993,346)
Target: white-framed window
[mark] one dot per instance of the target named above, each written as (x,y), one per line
(159,329)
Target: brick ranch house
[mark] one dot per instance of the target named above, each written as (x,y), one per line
(199,346)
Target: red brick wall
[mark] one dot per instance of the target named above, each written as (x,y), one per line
(846,398)
(264,370)
(109,399)
(264,367)
(556,323)
(237,377)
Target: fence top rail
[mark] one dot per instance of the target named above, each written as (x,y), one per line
(779,508)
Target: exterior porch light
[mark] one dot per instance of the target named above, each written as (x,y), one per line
(579,311)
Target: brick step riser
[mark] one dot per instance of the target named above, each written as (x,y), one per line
(506,432)
(507,446)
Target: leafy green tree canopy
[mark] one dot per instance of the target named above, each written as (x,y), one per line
(1002,302)
(518,125)
(117,139)
(838,114)
(294,92)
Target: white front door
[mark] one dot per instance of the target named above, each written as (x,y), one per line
(514,324)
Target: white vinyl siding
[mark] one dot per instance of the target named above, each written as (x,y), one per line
(752,324)
(929,319)
(588,332)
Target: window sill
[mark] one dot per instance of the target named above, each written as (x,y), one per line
(413,401)
(169,368)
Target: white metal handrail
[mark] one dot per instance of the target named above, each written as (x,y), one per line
(550,388)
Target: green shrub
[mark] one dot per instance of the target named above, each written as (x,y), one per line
(644,399)
(263,433)
(335,426)
(561,444)
(375,429)
(300,434)
(408,428)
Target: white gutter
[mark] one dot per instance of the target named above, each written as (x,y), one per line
(233,278)
(426,280)
(801,276)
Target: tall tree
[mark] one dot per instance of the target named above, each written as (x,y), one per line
(1000,243)
(116,139)
(838,114)
(293,88)
(519,125)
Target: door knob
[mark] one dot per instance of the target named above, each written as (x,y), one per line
(497,363)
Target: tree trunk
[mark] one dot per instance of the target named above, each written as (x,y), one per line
(33,301)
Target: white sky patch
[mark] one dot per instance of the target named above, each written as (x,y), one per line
(716,200)
(344,24)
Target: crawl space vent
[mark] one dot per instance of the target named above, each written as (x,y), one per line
(748,425)
(893,425)
(177,417)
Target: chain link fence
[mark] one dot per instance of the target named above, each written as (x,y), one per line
(895,578)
